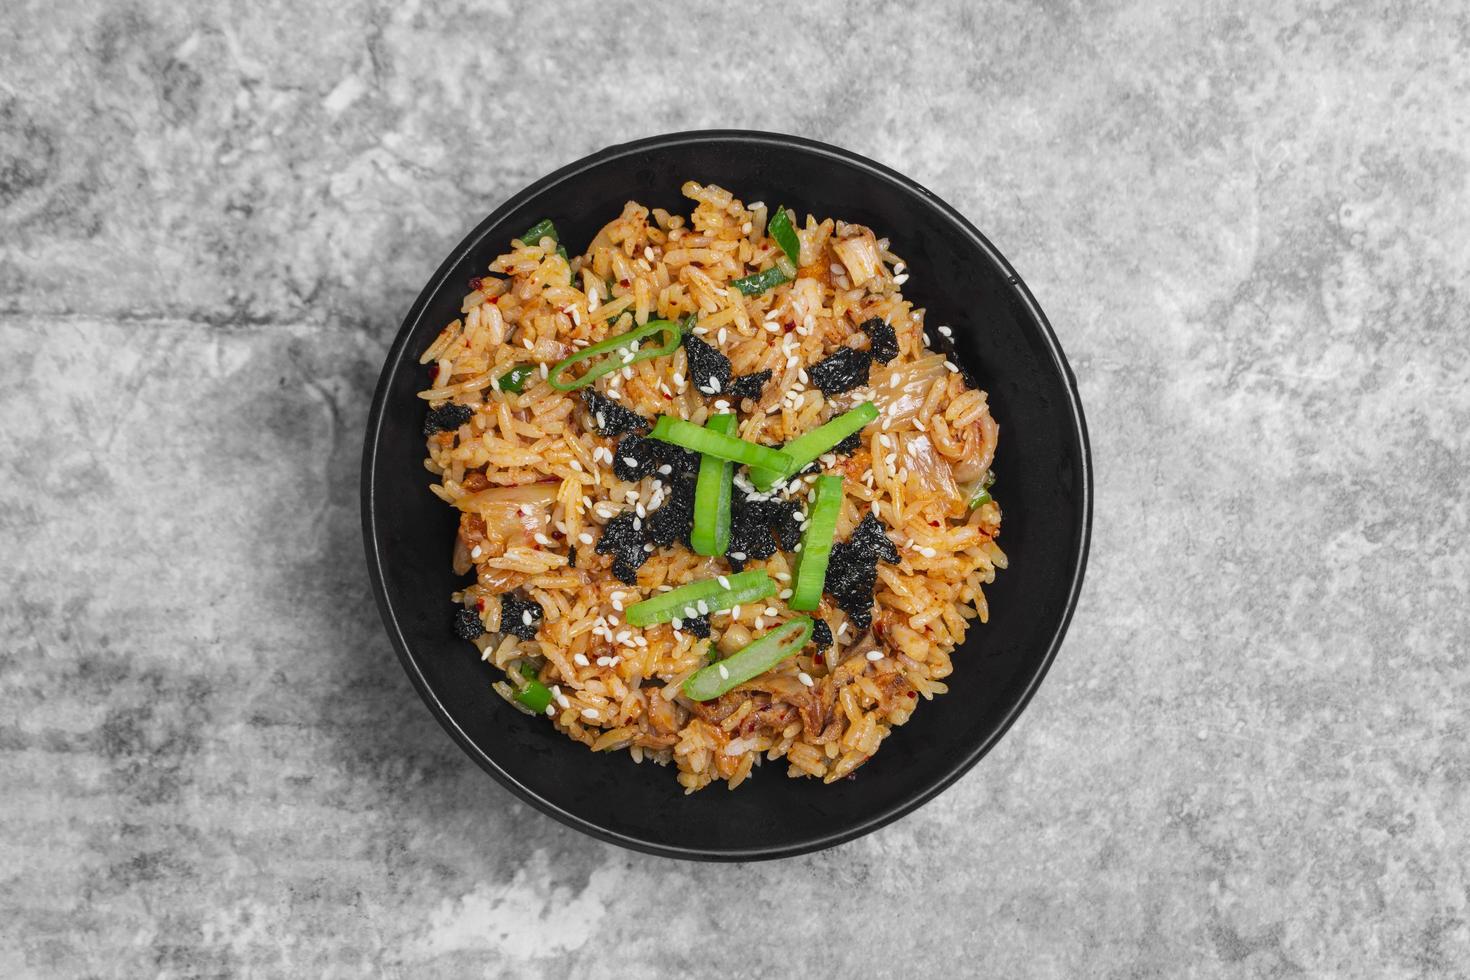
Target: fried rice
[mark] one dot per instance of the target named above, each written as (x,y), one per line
(536,484)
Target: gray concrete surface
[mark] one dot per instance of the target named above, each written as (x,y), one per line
(1250,230)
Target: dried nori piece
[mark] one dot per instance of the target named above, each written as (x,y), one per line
(674,519)
(871,533)
(468,625)
(623,538)
(635,457)
(625,565)
(699,626)
(781,516)
(572,557)
(750,530)
(842,371)
(709,370)
(447,418)
(821,633)
(518,616)
(681,461)
(882,339)
(849,445)
(852,569)
(610,418)
(750,385)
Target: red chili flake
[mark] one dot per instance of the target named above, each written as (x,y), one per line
(480,604)
(625,283)
(933,523)
(475,282)
(913,694)
(817,658)
(791,326)
(433,372)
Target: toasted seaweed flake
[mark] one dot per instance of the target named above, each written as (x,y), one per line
(842,371)
(468,625)
(821,633)
(635,457)
(518,616)
(882,339)
(709,370)
(610,418)
(447,418)
(750,385)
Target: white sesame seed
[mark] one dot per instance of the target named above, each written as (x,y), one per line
(900,279)
(949,365)
(805,678)
(585,538)
(874,656)
(783,577)
(745,228)
(678,379)
(580,659)
(526,617)
(735,612)
(677,623)
(760,623)
(770,610)
(589,712)
(690,612)
(900,266)
(576,466)
(801,375)
(542,539)
(528,342)
(614,394)
(665,469)
(476,552)
(946,331)
(927,341)
(724,674)
(738,555)
(927,552)
(714,384)
(724,582)
(720,337)
(545,371)
(703,607)
(894,380)
(648,252)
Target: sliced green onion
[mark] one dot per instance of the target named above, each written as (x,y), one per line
(562,251)
(981,496)
(712,493)
(514,380)
(762,281)
(751,660)
(532,693)
(781,229)
(629,339)
(541,229)
(816,544)
(701,598)
(809,445)
(702,440)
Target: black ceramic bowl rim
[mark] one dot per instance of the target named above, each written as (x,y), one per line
(963,761)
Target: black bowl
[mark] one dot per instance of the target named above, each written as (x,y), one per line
(1044,485)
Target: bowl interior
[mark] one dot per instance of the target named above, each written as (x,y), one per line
(1042,486)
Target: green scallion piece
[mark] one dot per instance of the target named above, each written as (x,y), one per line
(515,379)
(751,660)
(532,693)
(701,440)
(809,445)
(762,281)
(784,233)
(712,494)
(541,229)
(816,544)
(980,498)
(702,598)
(629,339)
